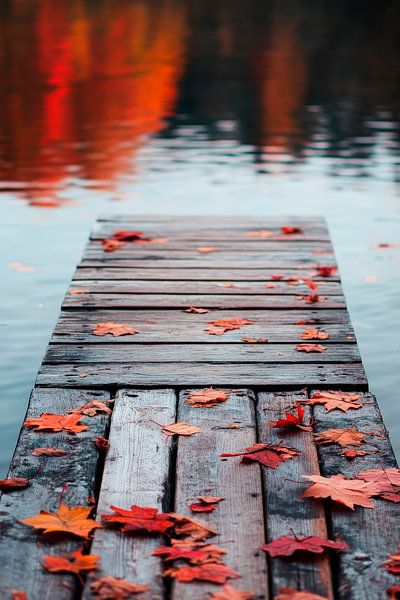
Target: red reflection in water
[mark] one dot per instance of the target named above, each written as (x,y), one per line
(81,84)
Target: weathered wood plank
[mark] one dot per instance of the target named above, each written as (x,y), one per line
(237,301)
(287,513)
(69,478)
(136,471)
(372,534)
(203,374)
(200,353)
(233,274)
(176,246)
(201,472)
(202,287)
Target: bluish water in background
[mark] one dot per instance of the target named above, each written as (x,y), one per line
(189,107)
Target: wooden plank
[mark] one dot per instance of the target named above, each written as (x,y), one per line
(69,478)
(200,353)
(202,287)
(372,534)
(136,471)
(201,472)
(287,513)
(176,246)
(234,274)
(203,374)
(237,301)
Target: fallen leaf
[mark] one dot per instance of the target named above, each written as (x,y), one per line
(348,492)
(138,518)
(226,284)
(343,401)
(265,454)
(111,245)
(269,284)
(260,233)
(111,588)
(325,270)
(286,545)
(386,481)
(74,562)
(252,340)
(276,276)
(115,329)
(49,452)
(311,298)
(206,249)
(206,398)
(102,443)
(18,595)
(73,520)
(190,550)
(310,348)
(306,322)
(78,291)
(213,572)
(350,454)
(13,483)
(92,408)
(198,311)
(292,420)
(179,429)
(223,325)
(393,564)
(230,593)
(202,507)
(52,422)
(290,229)
(188,526)
(393,591)
(343,437)
(20,267)
(210,499)
(314,334)
(291,594)
(127,236)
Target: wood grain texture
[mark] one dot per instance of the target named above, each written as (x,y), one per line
(245,245)
(237,301)
(203,374)
(201,472)
(201,287)
(286,511)
(21,548)
(200,353)
(372,534)
(136,471)
(232,274)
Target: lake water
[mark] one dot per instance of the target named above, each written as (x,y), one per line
(195,107)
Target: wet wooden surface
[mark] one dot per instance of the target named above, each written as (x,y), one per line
(257,273)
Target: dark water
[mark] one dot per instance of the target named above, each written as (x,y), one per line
(189,107)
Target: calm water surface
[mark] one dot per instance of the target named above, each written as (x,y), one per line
(189,107)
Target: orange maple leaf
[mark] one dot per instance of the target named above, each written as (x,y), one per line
(213,572)
(207,398)
(223,325)
(198,311)
(52,422)
(343,401)
(188,526)
(138,518)
(349,492)
(252,340)
(115,329)
(343,437)
(191,550)
(314,334)
(230,593)
(310,348)
(74,562)
(206,249)
(111,588)
(49,452)
(73,520)
(179,428)
(287,545)
(92,408)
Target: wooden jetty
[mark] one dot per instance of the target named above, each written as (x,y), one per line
(248,269)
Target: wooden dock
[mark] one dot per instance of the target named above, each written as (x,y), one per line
(263,284)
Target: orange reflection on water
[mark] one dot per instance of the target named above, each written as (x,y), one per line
(81,84)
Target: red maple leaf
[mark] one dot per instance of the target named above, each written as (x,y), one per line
(138,519)
(213,572)
(286,545)
(325,270)
(13,483)
(292,420)
(265,454)
(190,550)
(290,229)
